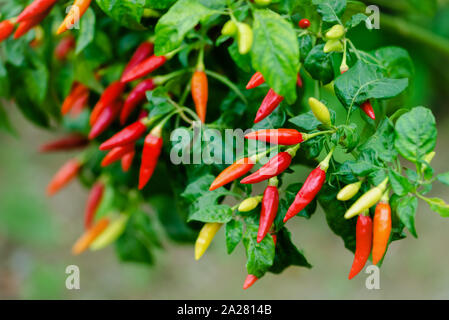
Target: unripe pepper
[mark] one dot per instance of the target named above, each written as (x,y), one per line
(244,37)
(249,204)
(368,109)
(143,51)
(200,93)
(6,29)
(105,119)
(229,28)
(89,236)
(143,68)
(64,175)
(262,2)
(364,239)
(333,46)
(151,150)
(233,172)
(93,202)
(278,164)
(117,154)
(69,142)
(284,137)
(304,23)
(310,188)
(127,160)
(382,228)
(256,80)
(349,191)
(368,200)
(36,8)
(137,95)
(126,136)
(77,10)
(320,111)
(269,104)
(27,25)
(65,45)
(205,237)
(336,32)
(270,204)
(113,231)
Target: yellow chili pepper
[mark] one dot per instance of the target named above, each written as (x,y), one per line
(349,191)
(205,237)
(336,32)
(368,200)
(249,204)
(333,46)
(229,28)
(320,111)
(244,37)
(111,233)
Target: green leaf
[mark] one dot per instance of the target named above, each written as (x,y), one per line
(242,61)
(5,124)
(260,256)
(216,213)
(356,20)
(330,10)
(416,134)
(4,81)
(305,121)
(36,81)
(275,52)
(234,233)
(406,209)
(400,185)
(305,45)
(171,28)
(287,254)
(439,206)
(319,64)
(444,178)
(366,81)
(159,4)
(128,13)
(87,31)
(348,137)
(382,142)
(396,62)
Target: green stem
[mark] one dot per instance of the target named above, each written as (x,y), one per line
(228,83)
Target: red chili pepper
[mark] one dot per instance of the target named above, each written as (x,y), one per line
(93,202)
(256,80)
(64,46)
(143,68)
(109,95)
(116,154)
(137,95)
(364,239)
(299,80)
(278,164)
(304,23)
(234,171)
(151,150)
(270,203)
(70,142)
(27,25)
(126,136)
(37,7)
(284,137)
(200,93)
(309,190)
(64,175)
(269,103)
(77,91)
(80,104)
(105,119)
(143,51)
(6,28)
(368,109)
(127,160)
(382,230)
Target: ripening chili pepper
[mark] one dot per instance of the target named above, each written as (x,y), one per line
(229,28)
(35,8)
(284,137)
(304,23)
(256,80)
(367,200)
(143,68)
(116,154)
(113,231)
(278,164)
(310,188)
(27,25)
(77,91)
(93,202)
(244,37)
(320,111)
(349,191)
(368,109)
(249,204)
(205,237)
(64,175)
(269,103)
(270,204)
(336,32)
(233,172)
(364,240)
(137,95)
(105,119)
(69,142)
(151,150)
(6,28)
(200,93)
(126,136)
(79,104)
(77,10)
(64,47)
(89,236)
(143,51)
(127,160)
(333,46)
(382,228)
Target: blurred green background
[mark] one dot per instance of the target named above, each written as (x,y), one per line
(36,233)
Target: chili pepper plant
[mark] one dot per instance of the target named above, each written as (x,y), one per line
(121,79)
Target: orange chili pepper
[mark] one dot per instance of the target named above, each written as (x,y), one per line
(200,93)
(89,236)
(381,229)
(77,10)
